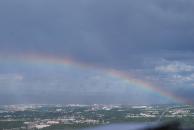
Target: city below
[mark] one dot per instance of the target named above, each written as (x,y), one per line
(76,116)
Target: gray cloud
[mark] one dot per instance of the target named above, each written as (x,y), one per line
(137,37)
(97,28)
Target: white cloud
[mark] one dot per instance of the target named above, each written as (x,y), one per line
(175,67)
(181,78)
(6,77)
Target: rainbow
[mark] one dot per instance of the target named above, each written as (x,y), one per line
(50,59)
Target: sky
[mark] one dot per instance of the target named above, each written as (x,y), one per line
(150,40)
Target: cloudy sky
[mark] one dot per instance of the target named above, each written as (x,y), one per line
(151,40)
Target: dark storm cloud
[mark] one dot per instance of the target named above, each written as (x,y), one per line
(103,32)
